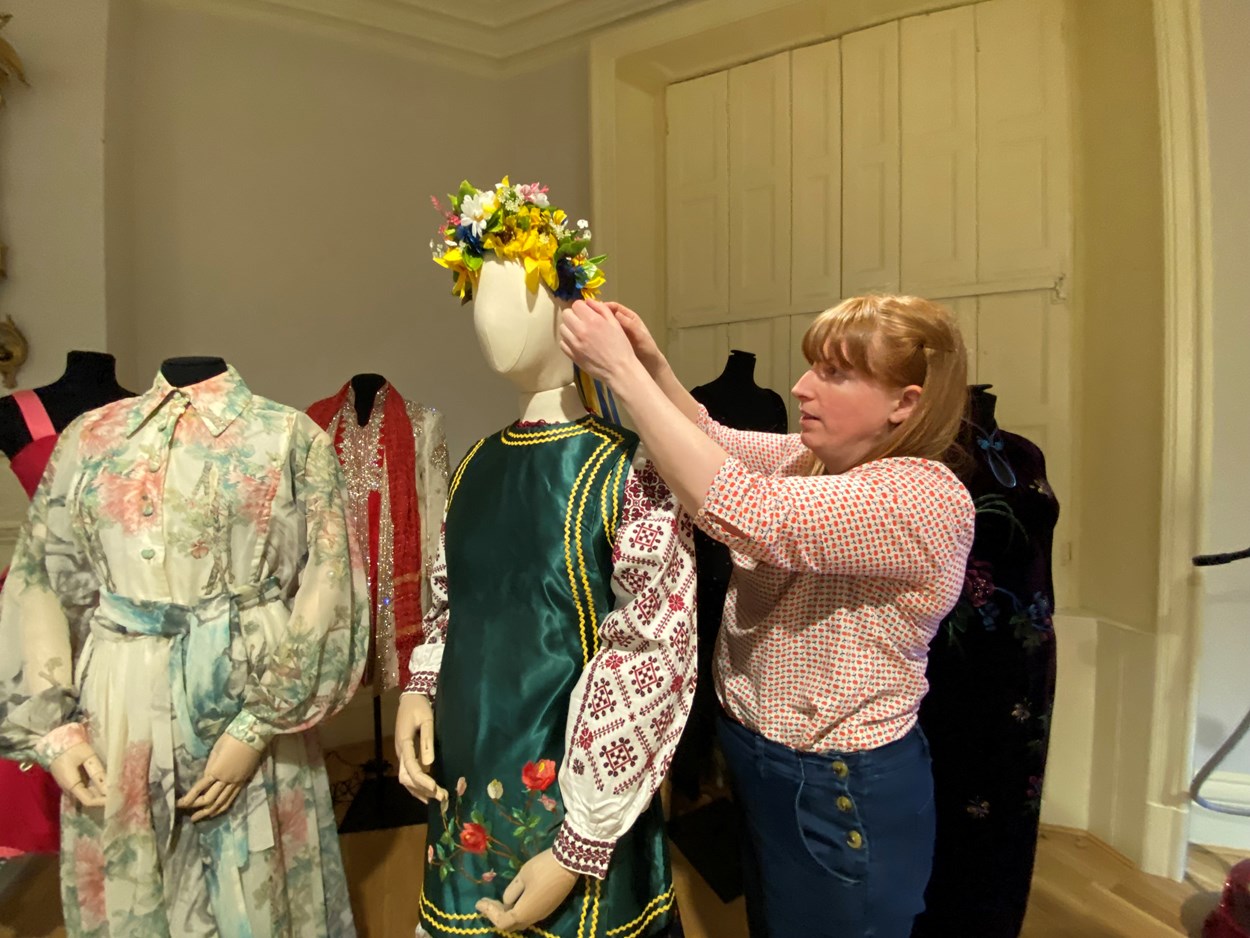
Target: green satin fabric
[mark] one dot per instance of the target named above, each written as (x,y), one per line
(530,520)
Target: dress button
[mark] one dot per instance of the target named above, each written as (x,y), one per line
(854,840)
(153,465)
(840,769)
(845,804)
(148,510)
(147,553)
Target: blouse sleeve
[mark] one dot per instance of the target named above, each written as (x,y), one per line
(45,609)
(905,519)
(630,705)
(759,452)
(427,658)
(317,662)
(431,491)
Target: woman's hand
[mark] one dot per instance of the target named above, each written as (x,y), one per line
(640,338)
(591,335)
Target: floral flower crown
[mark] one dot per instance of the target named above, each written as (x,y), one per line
(516,223)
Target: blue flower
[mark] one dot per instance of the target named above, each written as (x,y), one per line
(1039,613)
(989,616)
(469,238)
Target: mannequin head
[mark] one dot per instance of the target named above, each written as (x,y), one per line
(517,329)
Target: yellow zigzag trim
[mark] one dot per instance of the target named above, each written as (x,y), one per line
(481,930)
(663,902)
(455,481)
(511,437)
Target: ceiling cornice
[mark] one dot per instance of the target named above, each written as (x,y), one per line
(490,37)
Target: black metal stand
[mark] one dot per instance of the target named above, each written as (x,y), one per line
(381,803)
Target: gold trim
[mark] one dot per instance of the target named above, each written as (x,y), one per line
(455,482)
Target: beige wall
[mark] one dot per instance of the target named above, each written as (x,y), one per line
(1119,287)
(1222,694)
(52,181)
(271,205)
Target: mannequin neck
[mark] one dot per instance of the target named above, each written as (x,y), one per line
(739,369)
(557,405)
(97,369)
(183,372)
(365,390)
(981,407)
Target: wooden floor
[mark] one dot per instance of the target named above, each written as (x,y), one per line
(1081,889)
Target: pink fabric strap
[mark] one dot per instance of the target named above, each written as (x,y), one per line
(35,414)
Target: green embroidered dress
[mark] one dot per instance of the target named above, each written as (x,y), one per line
(562,634)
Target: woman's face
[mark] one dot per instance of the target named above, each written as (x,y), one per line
(844,415)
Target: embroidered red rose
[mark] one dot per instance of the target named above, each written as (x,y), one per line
(538,776)
(473,838)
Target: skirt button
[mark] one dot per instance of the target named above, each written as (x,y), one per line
(854,840)
(845,804)
(840,769)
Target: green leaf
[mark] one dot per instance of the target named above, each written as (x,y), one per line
(518,832)
(533,821)
(446,838)
(514,863)
(473,262)
(476,816)
(597,260)
(466,188)
(440,851)
(444,872)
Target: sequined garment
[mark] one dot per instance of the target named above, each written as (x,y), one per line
(363,455)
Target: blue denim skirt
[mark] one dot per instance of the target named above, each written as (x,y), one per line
(834,844)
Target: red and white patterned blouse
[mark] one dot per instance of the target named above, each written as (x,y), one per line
(839,583)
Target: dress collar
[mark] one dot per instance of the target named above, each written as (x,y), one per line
(217,400)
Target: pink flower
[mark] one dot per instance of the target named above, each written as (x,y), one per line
(676,603)
(488,876)
(135,812)
(292,824)
(122,501)
(461,786)
(429,854)
(548,803)
(89,880)
(978,583)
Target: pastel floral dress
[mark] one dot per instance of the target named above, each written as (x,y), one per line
(184,572)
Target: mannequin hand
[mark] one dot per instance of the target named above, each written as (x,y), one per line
(645,346)
(414,726)
(230,766)
(539,888)
(592,337)
(78,770)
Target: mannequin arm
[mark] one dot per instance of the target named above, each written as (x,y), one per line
(414,747)
(538,889)
(74,765)
(230,767)
(317,661)
(45,607)
(616,756)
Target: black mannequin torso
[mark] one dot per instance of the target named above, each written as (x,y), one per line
(735,400)
(981,407)
(182,372)
(89,381)
(365,387)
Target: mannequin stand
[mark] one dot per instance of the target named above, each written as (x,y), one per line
(382,802)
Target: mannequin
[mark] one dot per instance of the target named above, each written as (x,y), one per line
(89,381)
(30,423)
(991,689)
(182,609)
(735,400)
(572,709)
(394,457)
(184,372)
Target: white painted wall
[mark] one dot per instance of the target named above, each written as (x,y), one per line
(273,203)
(1224,666)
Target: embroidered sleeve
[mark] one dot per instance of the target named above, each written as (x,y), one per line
(427,658)
(45,608)
(318,659)
(904,519)
(630,704)
(759,452)
(431,487)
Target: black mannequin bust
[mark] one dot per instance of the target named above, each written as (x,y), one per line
(981,407)
(365,387)
(735,400)
(89,381)
(182,372)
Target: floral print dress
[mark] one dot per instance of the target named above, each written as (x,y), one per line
(184,572)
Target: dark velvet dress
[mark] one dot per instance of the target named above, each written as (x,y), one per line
(992,687)
(735,400)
